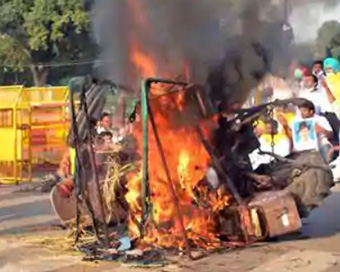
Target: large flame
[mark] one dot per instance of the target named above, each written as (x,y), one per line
(187,161)
(143,63)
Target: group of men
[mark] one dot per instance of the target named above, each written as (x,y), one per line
(313,124)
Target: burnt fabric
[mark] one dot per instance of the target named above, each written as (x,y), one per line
(234,147)
(307,178)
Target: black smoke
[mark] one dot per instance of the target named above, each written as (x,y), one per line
(228,44)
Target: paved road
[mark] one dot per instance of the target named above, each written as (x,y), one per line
(320,252)
(19,212)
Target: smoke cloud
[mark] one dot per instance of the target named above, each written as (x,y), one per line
(228,45)
(308,16)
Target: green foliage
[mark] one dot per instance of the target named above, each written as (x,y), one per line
(47,21)
(43,31)
(12,53)
(328,40)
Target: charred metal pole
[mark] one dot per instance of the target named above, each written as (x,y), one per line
(79,172)
(96,177)
(219,167)
(223,175)
(145,158)
(76,177)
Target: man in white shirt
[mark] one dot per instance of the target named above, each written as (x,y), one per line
(314,92)
(323,129)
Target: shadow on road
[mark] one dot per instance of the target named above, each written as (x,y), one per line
(324,221)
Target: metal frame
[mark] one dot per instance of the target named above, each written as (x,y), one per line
(17,109)
(145,110)
(147,115)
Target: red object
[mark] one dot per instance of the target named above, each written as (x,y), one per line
(65,188)
(305,71)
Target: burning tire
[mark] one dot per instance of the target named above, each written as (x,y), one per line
(95,103)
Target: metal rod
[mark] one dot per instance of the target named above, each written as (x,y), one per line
(201,103)
(219,167)
(145,162)
(79,175)
(76,178)
(90,209)
(96,178)
(222,173)
(170,183)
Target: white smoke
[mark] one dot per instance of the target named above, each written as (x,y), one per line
(308,17)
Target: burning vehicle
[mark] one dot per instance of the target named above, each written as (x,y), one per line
(183,178)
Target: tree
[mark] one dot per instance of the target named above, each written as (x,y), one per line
(328,40)
(34,33)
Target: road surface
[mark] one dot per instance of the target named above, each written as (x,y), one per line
(317,249)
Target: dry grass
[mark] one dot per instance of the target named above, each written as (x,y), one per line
(58,242)
(113,184)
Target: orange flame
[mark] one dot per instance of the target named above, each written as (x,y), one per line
(187,161)
(143,63)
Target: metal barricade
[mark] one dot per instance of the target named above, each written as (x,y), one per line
(50,124)
(34,123)
(15,135)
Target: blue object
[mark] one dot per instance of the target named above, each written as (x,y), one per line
(125,243)
(333,63)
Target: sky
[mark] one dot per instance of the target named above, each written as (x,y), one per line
(307,19)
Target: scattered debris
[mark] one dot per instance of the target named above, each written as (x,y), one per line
(134,252)
(125,243)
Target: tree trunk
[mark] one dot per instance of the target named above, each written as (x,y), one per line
(40,74)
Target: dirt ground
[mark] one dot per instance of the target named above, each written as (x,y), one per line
(29,242)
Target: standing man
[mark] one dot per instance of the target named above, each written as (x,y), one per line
(332,80)
(313,92)
(323,129)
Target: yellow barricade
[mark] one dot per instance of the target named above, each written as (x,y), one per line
(15,119)
(34,123)
(50,123)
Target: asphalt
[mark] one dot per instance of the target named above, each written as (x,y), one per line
(22,215)
(20,212)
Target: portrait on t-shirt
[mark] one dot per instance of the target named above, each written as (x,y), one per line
(304,135)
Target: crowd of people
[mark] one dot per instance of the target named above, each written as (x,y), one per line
(311,124)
